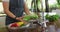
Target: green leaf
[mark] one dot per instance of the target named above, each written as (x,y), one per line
(52,18)
(26,18)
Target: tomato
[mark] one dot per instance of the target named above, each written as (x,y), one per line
(14,25)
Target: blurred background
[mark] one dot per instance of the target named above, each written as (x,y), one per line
(52,5)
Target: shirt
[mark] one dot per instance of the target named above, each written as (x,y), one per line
(8,1)
(17,8)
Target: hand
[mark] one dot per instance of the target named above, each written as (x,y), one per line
(18,18)
(21,19)
(25,22)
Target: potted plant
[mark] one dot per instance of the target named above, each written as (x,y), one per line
(52,22)
(52,18)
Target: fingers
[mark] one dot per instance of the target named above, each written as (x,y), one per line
(21,17)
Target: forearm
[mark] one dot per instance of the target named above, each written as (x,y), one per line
(10,14)
(26,9)
(6,10)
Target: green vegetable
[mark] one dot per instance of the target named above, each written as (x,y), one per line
(28,17)
(34,16)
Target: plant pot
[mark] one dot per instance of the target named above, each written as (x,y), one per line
(51,26)
(50,23)
(58,23)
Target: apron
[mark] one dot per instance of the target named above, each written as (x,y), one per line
(17,8)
